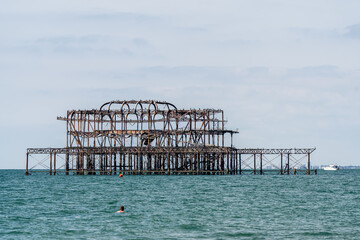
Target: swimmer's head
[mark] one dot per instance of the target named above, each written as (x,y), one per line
(122,208)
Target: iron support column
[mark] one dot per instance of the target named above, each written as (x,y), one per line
(288,163)
(254,163)
(281,164)
(27,164)
(50,163)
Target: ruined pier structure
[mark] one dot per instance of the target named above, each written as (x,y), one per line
(152,137)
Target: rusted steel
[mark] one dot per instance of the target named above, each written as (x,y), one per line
(152,137)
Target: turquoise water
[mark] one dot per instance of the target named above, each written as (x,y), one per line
(323,206)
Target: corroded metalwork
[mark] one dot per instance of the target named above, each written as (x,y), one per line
(152,137)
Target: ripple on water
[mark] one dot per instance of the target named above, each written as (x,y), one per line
(324,206)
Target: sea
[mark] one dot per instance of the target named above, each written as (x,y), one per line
(40,206)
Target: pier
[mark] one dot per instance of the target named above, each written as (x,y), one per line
(152,137)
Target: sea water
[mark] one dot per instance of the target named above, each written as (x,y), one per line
(323,206)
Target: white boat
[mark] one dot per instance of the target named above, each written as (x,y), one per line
(331,167)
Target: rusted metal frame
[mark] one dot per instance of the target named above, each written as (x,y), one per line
(75,150)
(208,120)
(40,162)
(198,161)
(235,163)
(207,170)
(172,131)
(76,136)
(270,162)
(296,161)
(118,121)
(168,132)
(162,137)
(54,171)
(240,164)
(234,160)
(78,128)
(304,150)
(207,135)
(213,128)
(67,129)
(223,128)
(152,127)
(275,151)
(50,164)
(254,163)
(97,126)
(190,128)
(154,103)
(194,134)
(183,135)
(27,164)
(246,161)
(288,163)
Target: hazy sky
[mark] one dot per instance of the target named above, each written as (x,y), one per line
(285,72)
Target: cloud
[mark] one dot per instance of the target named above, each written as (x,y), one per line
(128,17)
(141,42)
(198,75)
(257,71)
(79,50)
(281,78)
(71,39)
(314,33)
(353,31)
(323,71)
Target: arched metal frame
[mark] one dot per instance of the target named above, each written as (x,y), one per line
(152,137)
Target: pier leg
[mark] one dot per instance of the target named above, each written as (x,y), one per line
(227,163)
(88,164)
(82,163)
(288,163)
(176,163)
(254,163)
(50,163)
(115,164)
(101,163)
(54,163)
(141,159)
(27,164)
(106,164)
(191,160)
(199,163)
(281,164)
(236,163)
(67,164)
(148,168)
(261,164)
(240,163)
(168,163)
(308,171)
(110,165)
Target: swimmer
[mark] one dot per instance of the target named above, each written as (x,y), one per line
(121,209)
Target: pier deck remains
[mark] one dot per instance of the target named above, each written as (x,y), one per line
(152,137)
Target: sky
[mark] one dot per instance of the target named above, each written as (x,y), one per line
(286,73)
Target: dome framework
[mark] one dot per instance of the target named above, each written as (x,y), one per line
(154,137)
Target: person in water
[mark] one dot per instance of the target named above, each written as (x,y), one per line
(121,209)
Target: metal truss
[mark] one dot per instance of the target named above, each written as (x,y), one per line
(153,137)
